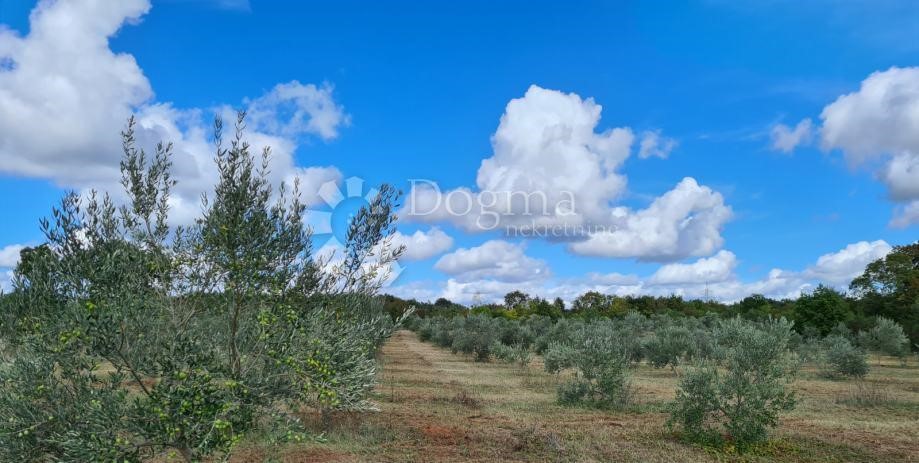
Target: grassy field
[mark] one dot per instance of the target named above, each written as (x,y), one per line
(437,406)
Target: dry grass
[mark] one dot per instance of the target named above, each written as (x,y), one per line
(441,407)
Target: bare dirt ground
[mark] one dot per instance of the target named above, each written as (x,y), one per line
(436,406)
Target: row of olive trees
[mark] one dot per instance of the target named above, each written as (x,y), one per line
(844,354)
(664,341)
(735,373)
(125,339)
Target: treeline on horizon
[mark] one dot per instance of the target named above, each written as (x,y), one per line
(889,288)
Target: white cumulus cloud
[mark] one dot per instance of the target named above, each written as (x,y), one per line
(840,267)
(554,175)
(9,259)
(685,221)
(309,109)
(878,119)
(65,95)
(879,122)
(708,277)
(715,269)
(9,255)
(423,245)
(497,260)
(906,215)
(901,175)
(714,277)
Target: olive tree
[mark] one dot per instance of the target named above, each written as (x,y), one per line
(125,339)
(476,335)
(739,391)
(669,346)
(600,363)
(886,337)
(837,357)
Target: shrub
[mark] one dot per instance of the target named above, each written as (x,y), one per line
(558,357)
(555,333)
(838,357)
(841,330)
(503,352)
(886,337)
(600,367)
(475,335)
(425,330)
(522,356)
(573,392)
(512,354)
(669,346)
(443,333)
(703,344)
(741,390)
(413,322)
(631,329)
(635,323)
(512,332)
(809,349)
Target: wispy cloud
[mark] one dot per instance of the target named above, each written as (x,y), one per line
(228,5)
(236,5)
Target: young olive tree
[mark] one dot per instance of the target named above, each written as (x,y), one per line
(476,335)
(600,363)
(516,353)
(886,337)
(669,346)
(837,357)
(741,390)
(124,342)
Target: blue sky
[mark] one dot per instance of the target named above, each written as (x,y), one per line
(418,89)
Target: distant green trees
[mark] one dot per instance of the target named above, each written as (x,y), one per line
(822,309)
(593,304)
(889,288)
(516,299)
